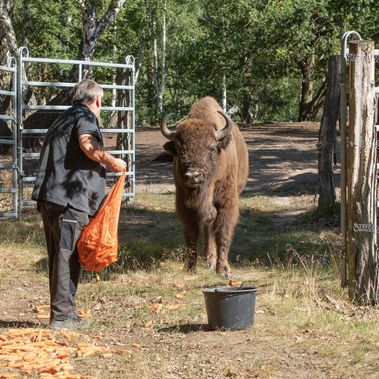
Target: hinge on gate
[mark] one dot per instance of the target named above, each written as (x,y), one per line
(367,228)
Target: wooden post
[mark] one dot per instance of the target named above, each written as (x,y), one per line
(327,136)
(362,257)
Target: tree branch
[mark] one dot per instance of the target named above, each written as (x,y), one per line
(110,15)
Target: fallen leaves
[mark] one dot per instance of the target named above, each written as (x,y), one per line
(159,305)
(172,307)
(234,283)
(155,308)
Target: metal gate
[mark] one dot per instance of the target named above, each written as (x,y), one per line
(118,109)
(9,167)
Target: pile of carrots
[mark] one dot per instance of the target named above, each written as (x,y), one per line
(39,352)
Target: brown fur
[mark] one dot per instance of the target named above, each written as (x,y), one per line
(223,168)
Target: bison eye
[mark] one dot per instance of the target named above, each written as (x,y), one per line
(212,148)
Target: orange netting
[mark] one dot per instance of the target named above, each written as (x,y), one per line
(98,244)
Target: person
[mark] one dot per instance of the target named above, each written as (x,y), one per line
(69,188)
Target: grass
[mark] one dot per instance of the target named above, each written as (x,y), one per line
(147,305)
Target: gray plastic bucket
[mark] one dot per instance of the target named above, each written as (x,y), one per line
(230,307)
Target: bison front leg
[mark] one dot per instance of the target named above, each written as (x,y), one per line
(209,213)
(191,235)
(210,251)
(225,223)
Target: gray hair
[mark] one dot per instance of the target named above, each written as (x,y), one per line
(86,91)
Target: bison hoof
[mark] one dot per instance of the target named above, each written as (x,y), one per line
(223,270)
(211,265)
(190,267)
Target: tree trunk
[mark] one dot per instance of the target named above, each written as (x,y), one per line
(8,48)
(163,67)
(310,103)
(92,30)
(224,93)
(159,70)
(26,23)
(362,255)
(245,112)
(327,136)
(307,72)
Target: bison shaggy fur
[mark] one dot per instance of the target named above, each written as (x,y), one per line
(210,168)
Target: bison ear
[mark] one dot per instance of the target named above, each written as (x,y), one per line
(170,147)
(223,144)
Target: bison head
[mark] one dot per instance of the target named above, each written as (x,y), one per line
(196,146)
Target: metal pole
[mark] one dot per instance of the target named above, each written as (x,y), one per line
(343,143)
(15,138)
(20,101)
(133,168)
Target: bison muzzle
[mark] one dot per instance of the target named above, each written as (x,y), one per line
(210,169)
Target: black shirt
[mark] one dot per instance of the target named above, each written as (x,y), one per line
(66,175)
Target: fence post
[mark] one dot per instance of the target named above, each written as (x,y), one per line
(327,136)
(362,258)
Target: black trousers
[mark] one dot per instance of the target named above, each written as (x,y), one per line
(63,226)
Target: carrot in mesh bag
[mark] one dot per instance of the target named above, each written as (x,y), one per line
(98,244)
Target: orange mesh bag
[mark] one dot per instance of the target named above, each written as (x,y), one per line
(98,244)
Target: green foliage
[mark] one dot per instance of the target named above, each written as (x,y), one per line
(266,51)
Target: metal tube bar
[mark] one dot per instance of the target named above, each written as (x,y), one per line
(120,152)
(34,131)
(8,69)
(17,153)
(6,141)
(7,117)
(7,93)
(64,107)
(70,85)
(103,130)
(78,62)
(133,126)
(111,130)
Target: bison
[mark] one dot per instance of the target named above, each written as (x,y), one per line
(210,168)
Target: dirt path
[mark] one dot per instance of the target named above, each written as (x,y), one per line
(283,158)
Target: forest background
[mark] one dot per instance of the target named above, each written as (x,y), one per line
(268,57)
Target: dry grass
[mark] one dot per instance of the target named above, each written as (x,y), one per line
(153,311)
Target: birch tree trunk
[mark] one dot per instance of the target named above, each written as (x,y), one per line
(160,80)
(362,254)
(163,66)
(26,23)
(224,94)
(92,30)
(8,47)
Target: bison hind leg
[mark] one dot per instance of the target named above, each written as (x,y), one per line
(190,262)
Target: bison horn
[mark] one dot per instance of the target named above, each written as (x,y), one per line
(169,134)
(220,134)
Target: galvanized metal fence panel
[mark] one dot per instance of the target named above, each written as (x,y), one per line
(9,185)
(24,163)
